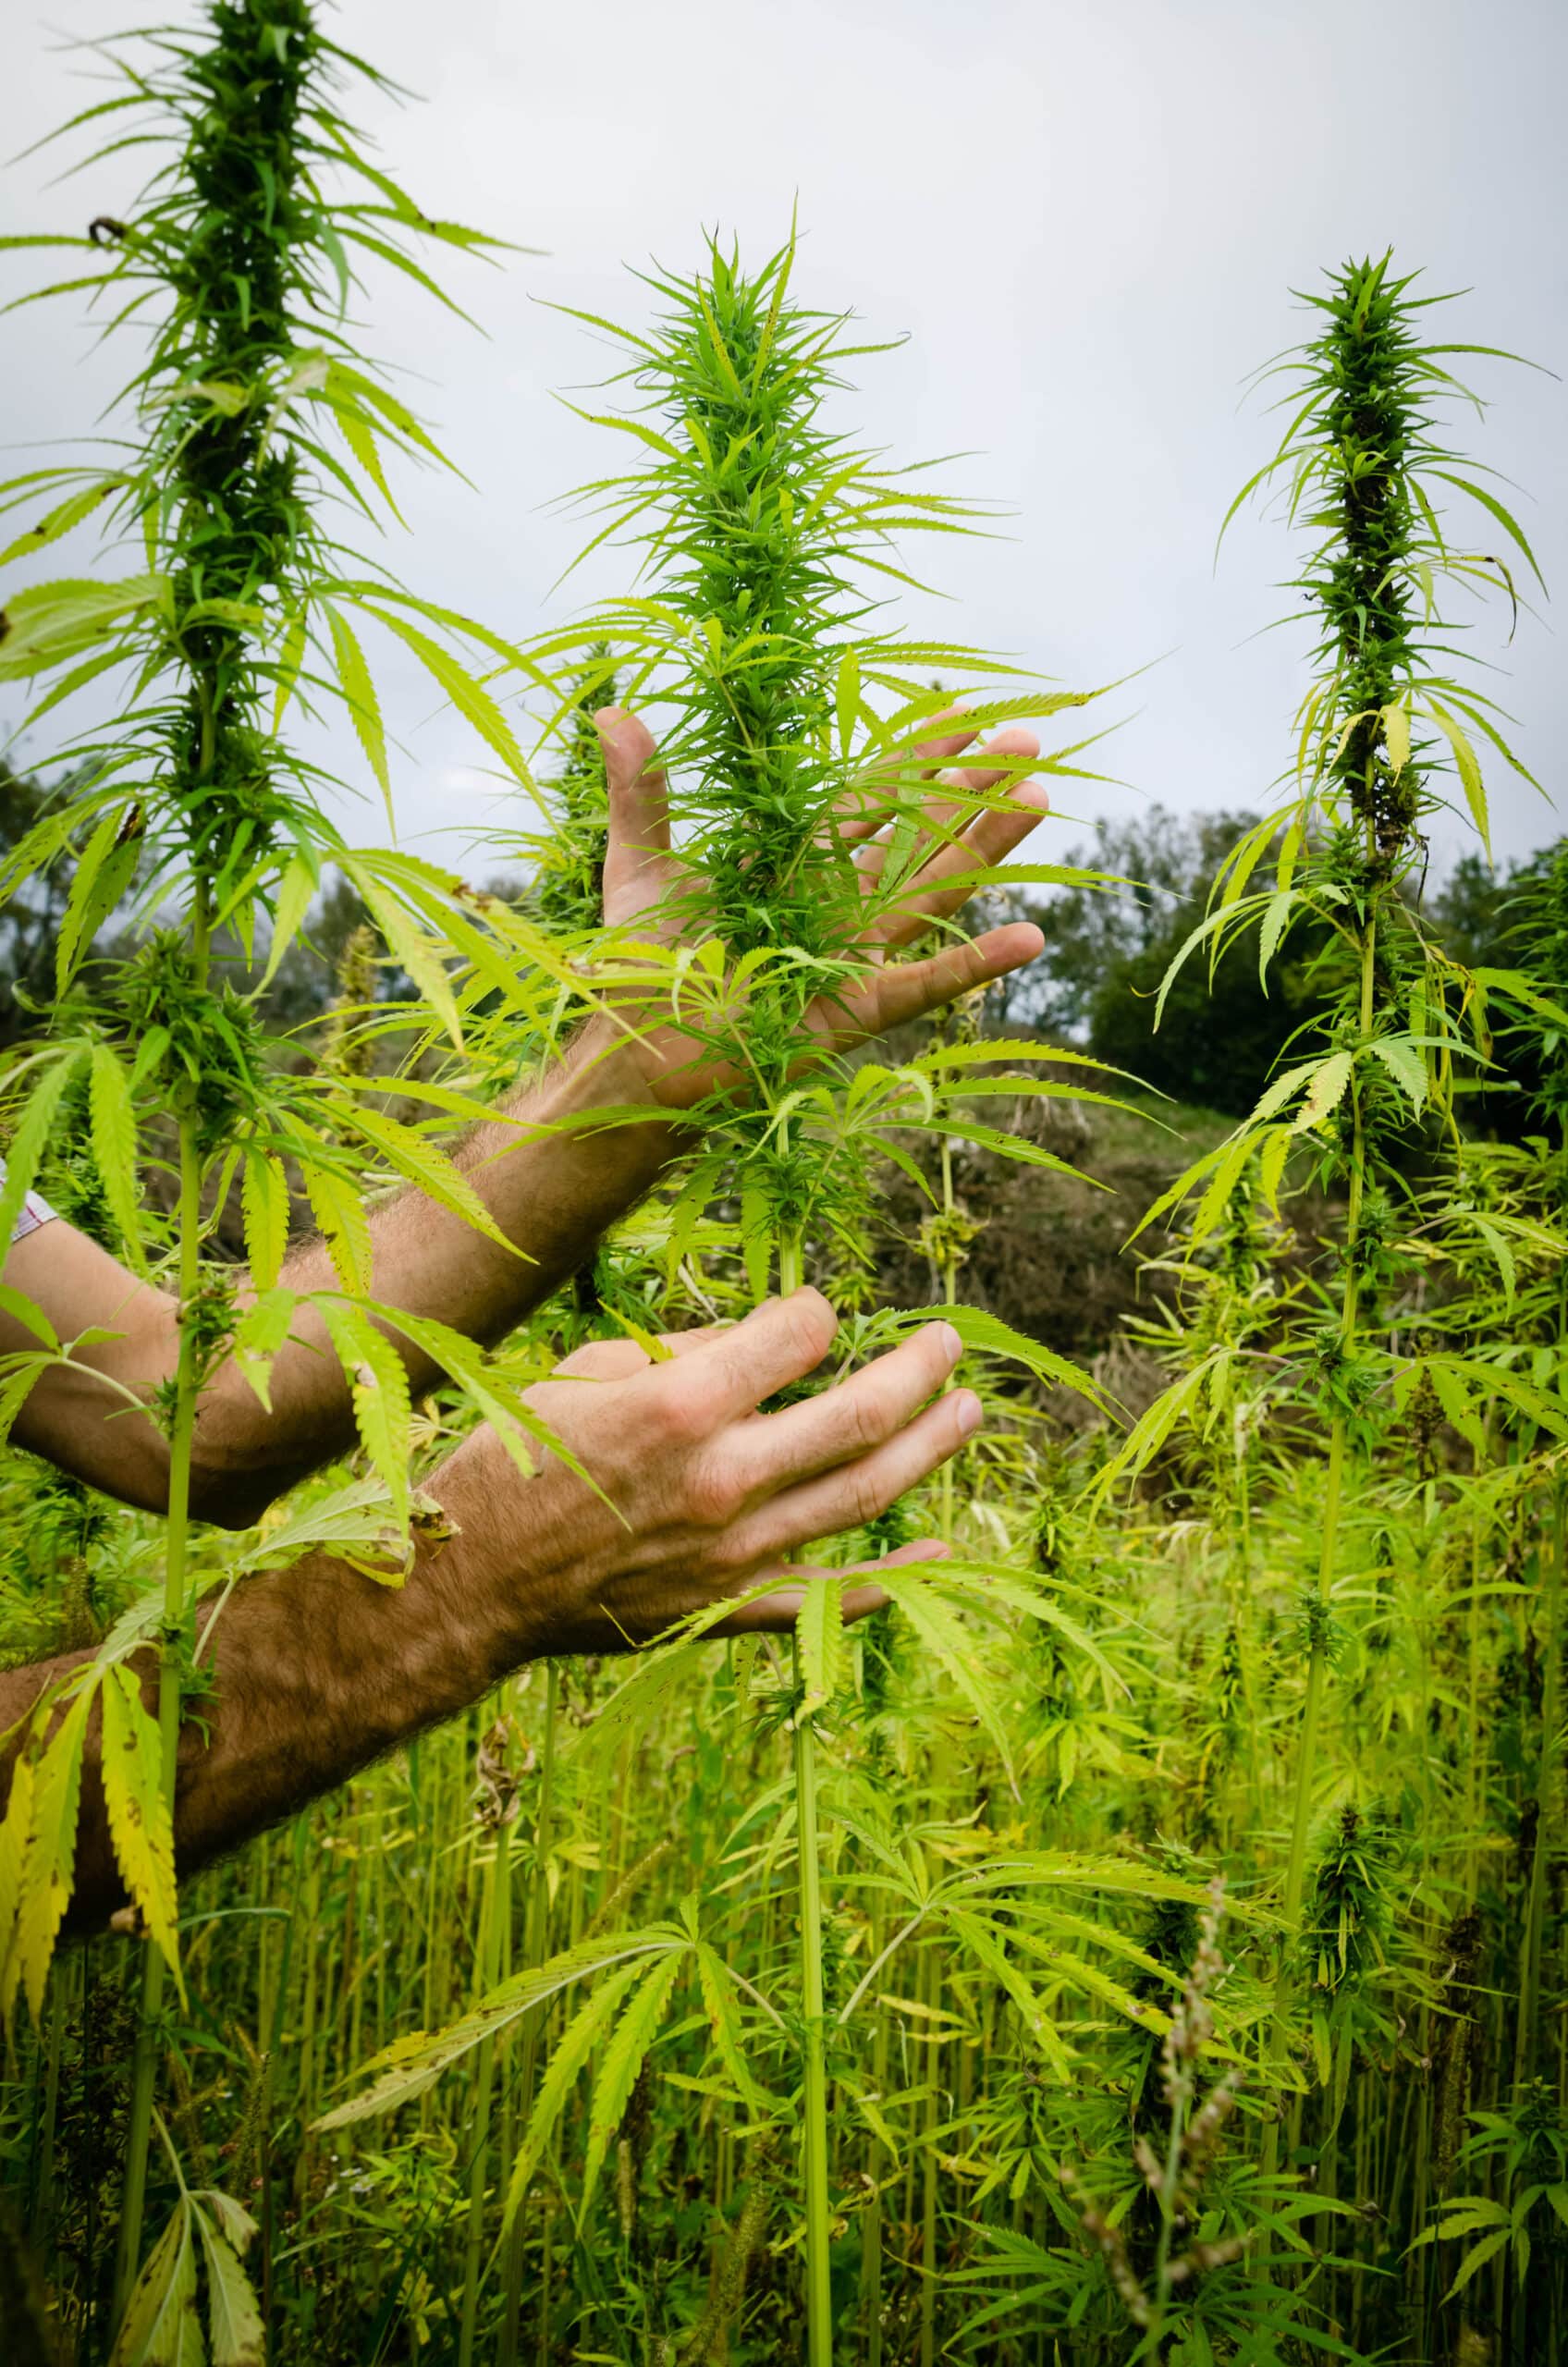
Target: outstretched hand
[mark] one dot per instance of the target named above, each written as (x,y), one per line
(708,1498)
(642,871)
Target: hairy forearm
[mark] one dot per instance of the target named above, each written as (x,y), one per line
(314,1672)
(550,1195)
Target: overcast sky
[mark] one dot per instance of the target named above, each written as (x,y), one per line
(1086,214)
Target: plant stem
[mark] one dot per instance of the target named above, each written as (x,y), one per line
(1546,1799)
(497,1905)
(819,2318)
(171,1642)
(535,1949)
(818,2223)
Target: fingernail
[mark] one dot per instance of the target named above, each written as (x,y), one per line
(949,1343)
(969,1414)
(606,719)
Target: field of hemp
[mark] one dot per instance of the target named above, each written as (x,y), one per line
(1144,1938)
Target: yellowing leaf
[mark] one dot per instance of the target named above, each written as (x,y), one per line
(1325,1092)
(140,1822)
(48,1871)
(263,1202)
(1406,1064)
(233,2317)
(1396,737)
(161,2327)
(345,1227)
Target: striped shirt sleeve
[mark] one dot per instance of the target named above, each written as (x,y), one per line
(35,1210)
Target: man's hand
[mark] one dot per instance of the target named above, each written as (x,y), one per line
(708,1497)
(318,1669)
(644,876)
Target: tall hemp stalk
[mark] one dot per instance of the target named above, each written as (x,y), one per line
(762,515)
(789,732)
(766,532)
(1390,724)
(256,416)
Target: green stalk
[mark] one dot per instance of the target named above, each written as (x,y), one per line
(818,2206)
(171,1649)
(494,1911)
(818,2210)
(536,1942)
(1333,1497)
(929,2167)
(1525,2032)
(871,2254)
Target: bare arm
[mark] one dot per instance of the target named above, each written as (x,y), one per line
(551,1195)
(319,1670)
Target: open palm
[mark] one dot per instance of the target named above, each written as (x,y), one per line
(641,872)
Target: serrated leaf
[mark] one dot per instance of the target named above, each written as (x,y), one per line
(48,1869)
(344,1227)
(470,697)
(1325,1090)
(112,1121)
(378,1384)
(422,1161)
(416,2063)
(724,2022)
(624,2057)
(1406,1063)
(161,2327)
(364,709)
(1467,765)
(264,1204)
(104,871)
(233,2317)
(140,1824)
(573,2049)
(978,1329)
(819,1644)
(950,1645)
(295,892)
(60,520)
(984,1947)
(409,946)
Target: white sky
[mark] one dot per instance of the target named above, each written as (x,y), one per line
(1086,216)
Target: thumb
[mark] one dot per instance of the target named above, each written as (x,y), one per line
(638,812)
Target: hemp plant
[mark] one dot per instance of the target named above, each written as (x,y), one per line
(791,723)
(254,429)
(1391,718)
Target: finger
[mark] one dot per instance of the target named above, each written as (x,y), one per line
(777,1611)
(602,1360)
(945,821)
(859,1492)
(618,1359)
(867,804)
(995,834)
(853,1416)
(778,1343)
(638,836)
(906,990)
(682,1343)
